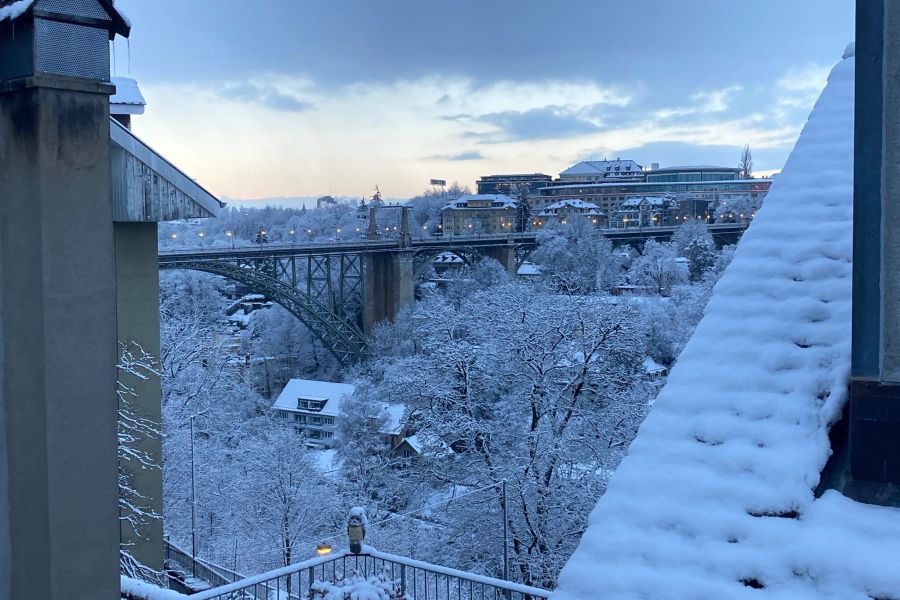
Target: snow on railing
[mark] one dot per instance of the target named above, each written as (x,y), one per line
(370,573)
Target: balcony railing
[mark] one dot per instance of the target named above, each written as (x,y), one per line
(412,579)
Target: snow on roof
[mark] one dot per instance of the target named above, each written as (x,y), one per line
(448,258)
(574,203)
(716,494)
(15,10)
(128,98)
(394,423)
(332,394)
(652,200)
(602,167)
(529,269)
(651,366)
(310,389)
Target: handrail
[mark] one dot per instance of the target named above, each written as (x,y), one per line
(414,578)
(492,581)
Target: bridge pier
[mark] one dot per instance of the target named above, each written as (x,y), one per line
(505,255)
(389,285)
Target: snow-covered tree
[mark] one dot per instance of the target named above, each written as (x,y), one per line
(658,268)
(133,430)
(693,241)
(524,385)
(576,259)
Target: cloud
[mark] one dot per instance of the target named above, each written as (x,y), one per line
(704,103)
(265,95)
(548,122)
(470,155)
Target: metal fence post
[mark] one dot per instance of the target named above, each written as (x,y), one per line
(402,579)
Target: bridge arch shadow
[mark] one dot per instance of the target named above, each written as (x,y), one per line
(343,339)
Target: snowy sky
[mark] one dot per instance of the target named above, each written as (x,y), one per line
(306,98)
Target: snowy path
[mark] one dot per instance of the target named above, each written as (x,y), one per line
(715,498)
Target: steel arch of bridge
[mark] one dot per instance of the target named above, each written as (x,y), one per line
(330,314)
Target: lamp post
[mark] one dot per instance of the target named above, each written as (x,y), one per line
(193,507)
(505,535)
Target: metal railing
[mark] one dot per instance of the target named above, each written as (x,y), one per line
(412,579)
(203,570)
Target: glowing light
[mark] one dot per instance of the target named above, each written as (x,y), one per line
(323,549)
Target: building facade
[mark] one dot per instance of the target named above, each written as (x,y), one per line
(474,214)
(314,407)
(566,210)
(608,196)
(609,183)
(645,211)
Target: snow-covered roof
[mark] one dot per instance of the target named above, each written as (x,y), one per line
(529,269)
(602,167)
(13,9)
(128,99)
(715,497)
(310,389)
(497,201)
(573,203)
(651,200)
(651,366)
(394,423)
(448,258)
(332,394)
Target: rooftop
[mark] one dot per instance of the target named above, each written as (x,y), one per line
(716,497)
(602,167)
(128,98)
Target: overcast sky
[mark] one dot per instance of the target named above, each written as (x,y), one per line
(272,98)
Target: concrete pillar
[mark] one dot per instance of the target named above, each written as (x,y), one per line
(874,432)
(137,320)
(389,282)
(59,338)
(505,255)
(372,229)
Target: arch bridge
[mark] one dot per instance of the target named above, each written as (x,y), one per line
(341,290)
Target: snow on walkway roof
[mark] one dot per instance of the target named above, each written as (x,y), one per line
(715,497)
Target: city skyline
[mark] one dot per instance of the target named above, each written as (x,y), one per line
(307,100)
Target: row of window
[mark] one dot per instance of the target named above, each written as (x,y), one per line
(307,419)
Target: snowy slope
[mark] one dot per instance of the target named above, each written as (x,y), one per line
(715,498)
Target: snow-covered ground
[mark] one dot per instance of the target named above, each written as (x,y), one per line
(715,499)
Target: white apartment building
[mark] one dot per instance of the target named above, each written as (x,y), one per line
(313,408)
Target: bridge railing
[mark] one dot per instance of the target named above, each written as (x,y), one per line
(410,578)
